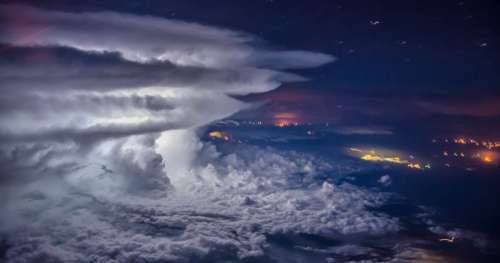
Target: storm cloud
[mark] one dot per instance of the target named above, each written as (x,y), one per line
(99,148)
(124,85)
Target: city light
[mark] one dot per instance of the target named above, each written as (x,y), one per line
(389,157)
(219,135)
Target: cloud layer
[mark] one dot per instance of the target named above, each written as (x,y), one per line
(236,201)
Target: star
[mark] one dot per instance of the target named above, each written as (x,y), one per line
(375,22)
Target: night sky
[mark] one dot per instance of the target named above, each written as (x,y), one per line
(275,131)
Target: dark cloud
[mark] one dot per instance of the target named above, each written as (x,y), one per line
(25,69)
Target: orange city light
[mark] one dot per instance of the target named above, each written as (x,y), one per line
(219,135)
(281,123)
(488,156)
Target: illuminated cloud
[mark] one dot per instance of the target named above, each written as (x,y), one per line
(181,73)
(84,90)
(182,43)
(238,199)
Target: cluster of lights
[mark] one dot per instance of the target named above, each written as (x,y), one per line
(285,122)
(373,156)
(484,156)
(490,145)
(488,153)
(256,123)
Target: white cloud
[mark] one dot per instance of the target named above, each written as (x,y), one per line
(385,180)
(203,217)
(146,38)
(89,77)
(101,80)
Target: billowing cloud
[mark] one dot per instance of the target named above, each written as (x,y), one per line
(236,200)
(102,88)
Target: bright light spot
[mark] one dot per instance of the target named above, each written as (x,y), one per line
(389,157)
(219,135)
(379,158)
(281,123)
(284,119)
(449,240)
(414,166)
(487,159)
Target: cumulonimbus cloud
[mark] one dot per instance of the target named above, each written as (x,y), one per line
(52,56)
(80,85)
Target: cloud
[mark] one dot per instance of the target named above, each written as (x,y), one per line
(94,98)
(205,217)
(179,42)
(93,75)
(66,68)
(475,106)
(385,180)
